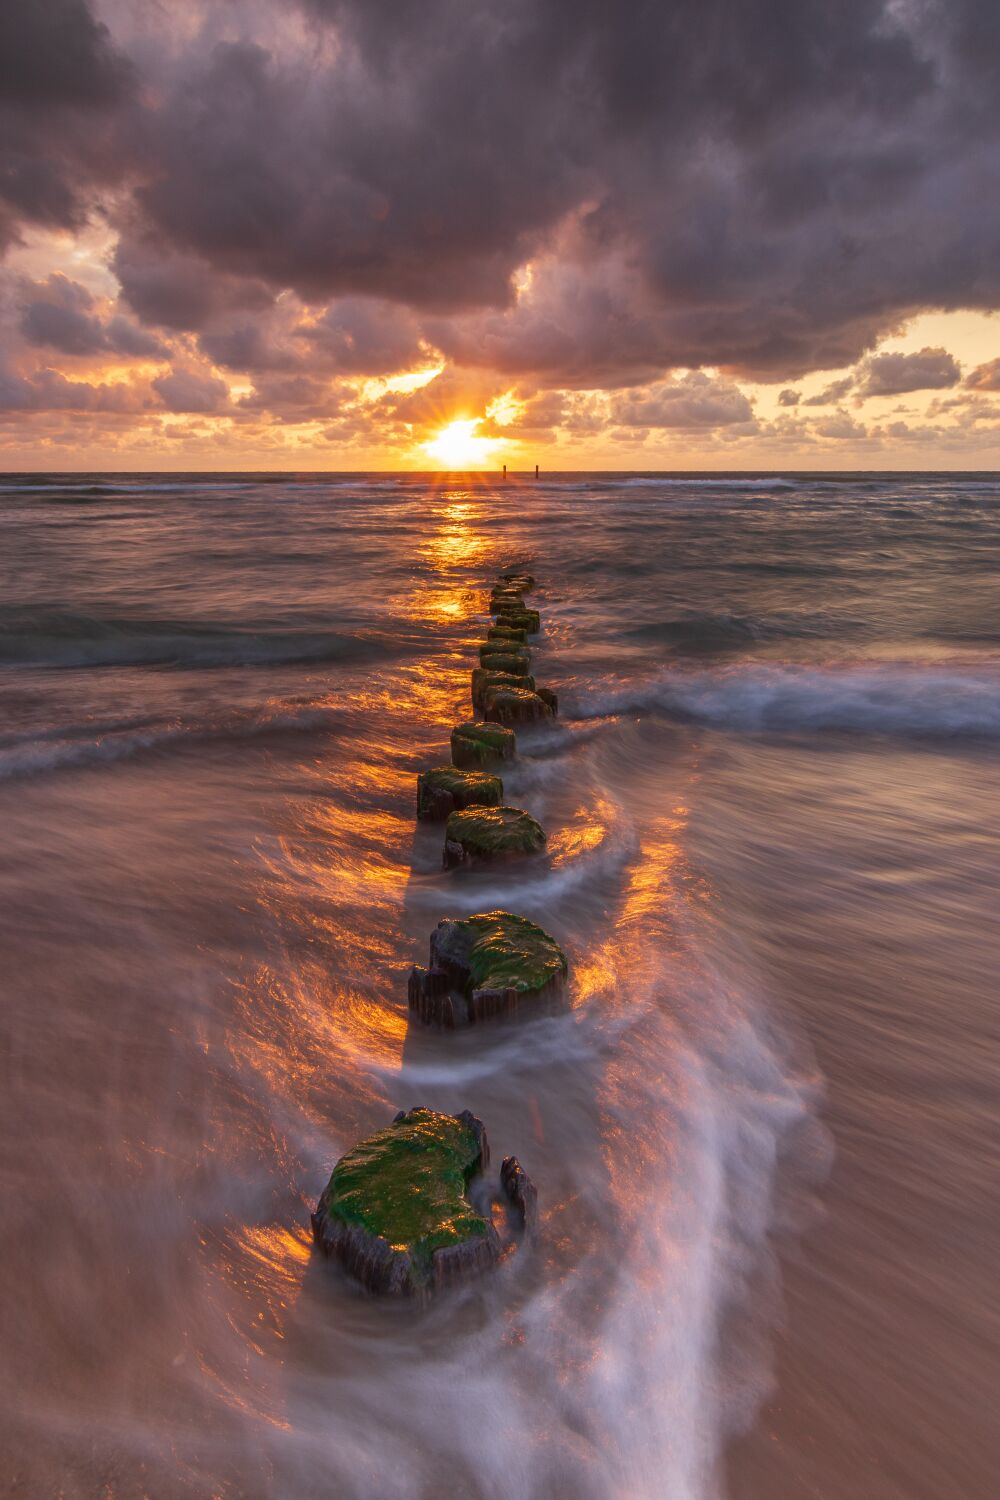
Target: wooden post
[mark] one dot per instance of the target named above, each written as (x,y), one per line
(505,471)
(536,471)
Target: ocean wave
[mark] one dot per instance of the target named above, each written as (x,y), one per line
(916,701)
(70,640)
(703,482)
(704,630)
(700,630)
(74,491)
(601,484)
(74,746)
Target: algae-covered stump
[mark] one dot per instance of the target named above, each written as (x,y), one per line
(515,658)
(491,833)
(523,582)
(522,619)
(480,746)
(396,1212)
(508,633)
(514,705)
(488,965)
(446,789)
(485,677)
(498,660)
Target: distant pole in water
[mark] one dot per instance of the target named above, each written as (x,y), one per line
(505,471)
(536,471)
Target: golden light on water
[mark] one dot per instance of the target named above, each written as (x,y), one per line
(460,538)
(458,446)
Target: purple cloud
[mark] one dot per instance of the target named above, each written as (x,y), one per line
(892,374)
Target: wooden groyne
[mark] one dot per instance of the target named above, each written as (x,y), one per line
(396,1212)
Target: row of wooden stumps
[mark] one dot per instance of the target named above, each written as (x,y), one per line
(409,1209)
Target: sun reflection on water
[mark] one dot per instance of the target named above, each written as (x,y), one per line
(334,882)
(322,1021)
(457,540)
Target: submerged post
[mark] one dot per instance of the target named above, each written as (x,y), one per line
(505,471)
(536,471)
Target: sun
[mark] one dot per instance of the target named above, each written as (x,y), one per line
(457,446)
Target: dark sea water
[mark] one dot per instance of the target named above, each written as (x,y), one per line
(766,1131)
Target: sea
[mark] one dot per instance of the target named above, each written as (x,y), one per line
(764,1127)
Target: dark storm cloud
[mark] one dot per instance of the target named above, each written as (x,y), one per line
(360,336)
(762,186)
(60,314)
(124,338)
(61,80)
(178,291)
(353,336)
(247,349)
(893,374)
(371,175)
(53,52)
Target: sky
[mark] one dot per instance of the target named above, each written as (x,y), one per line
(412,234)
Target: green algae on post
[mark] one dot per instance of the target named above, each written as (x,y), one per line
(514,705)
(484,677)
(524,619)
(396,1211)
(491,833)
(510,633)
(481,745)
(483,966)
(516,660)
(446,789)
(522,582)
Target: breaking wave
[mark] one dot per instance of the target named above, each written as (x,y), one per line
(919,701)
(73,746)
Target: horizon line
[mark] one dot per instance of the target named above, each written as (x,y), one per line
(511,474)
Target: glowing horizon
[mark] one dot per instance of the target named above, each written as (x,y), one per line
(199,272)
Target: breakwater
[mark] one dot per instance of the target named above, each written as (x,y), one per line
(400,1210)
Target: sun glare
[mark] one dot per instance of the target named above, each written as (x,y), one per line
(457,446)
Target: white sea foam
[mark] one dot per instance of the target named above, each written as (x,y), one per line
(539,884)
(919,701)
(613,1373)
